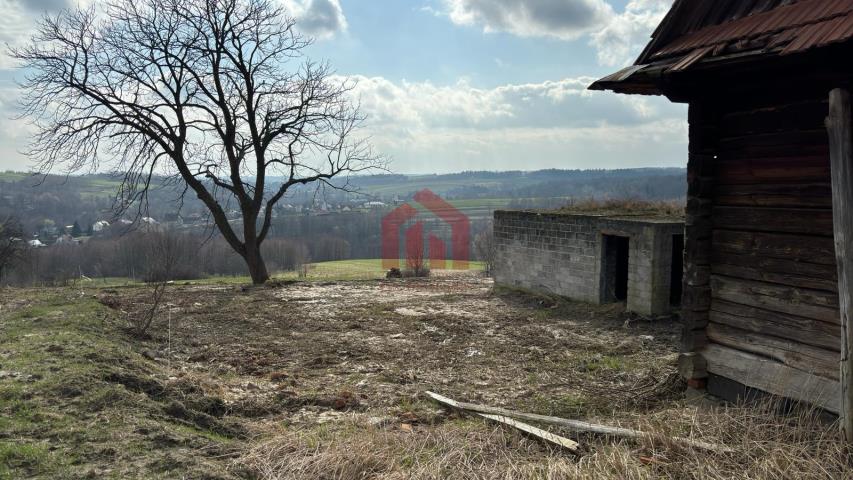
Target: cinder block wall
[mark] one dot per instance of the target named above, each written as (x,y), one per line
(557,254)
(562,254)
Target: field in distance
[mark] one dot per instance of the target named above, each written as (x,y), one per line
(339,270)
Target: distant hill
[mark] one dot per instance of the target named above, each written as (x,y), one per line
(86,199)
(645,183)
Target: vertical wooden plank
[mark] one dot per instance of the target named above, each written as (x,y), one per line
(840,127)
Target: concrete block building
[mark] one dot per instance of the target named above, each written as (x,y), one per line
(592,258)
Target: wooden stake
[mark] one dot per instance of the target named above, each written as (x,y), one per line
(840,127)
(575,425)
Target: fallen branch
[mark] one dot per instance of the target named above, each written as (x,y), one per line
(575,425)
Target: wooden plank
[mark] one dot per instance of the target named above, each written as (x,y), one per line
(806,330)
(801,248)
(789,220)
(503,418)
(775,270)
(777,195)
(574,425)
(840,127)
(793,116)
(564,442)
(804,167)
(755,144)
(772,377)
(815,304)
(798,355)
(748,100)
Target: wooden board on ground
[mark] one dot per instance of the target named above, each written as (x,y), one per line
(566,443)
(575,425)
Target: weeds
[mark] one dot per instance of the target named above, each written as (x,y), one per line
(766,446)
(625,207)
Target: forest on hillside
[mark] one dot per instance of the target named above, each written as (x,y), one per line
(74,220)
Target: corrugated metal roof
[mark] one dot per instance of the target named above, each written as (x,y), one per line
(804,25)
(701,31)
(688,16)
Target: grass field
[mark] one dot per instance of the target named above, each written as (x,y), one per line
(351,270)
(360,269)
(325,380)
(13,176)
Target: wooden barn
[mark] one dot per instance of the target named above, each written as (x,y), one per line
(767,83)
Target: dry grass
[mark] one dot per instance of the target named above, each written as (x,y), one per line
(766,445)
(632,207)
(322,381)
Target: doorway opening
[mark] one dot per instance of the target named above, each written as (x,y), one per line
(677,271)
(615,268)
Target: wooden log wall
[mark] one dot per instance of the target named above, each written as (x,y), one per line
(696,296)
(772,283)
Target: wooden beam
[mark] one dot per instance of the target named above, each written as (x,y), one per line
(500,416)
(574,425)
(791,352)
(804,330)
(840,127)
(772,377)
(564,442)
(802,302)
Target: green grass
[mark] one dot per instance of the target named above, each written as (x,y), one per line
(340,270)
(469,203)
(75,396)
(364,269)
(13,176)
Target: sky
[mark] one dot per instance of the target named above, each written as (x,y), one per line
(453,85)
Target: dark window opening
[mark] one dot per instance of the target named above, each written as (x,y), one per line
(677,271)
(615,271)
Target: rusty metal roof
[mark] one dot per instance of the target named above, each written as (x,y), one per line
(794,28)
(700,31)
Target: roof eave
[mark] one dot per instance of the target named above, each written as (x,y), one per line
(633,80)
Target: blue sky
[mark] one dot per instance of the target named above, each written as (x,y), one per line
(453,85)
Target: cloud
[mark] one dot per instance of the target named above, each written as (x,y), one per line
(16,25)
(321,19)
(617,37)
(618,43)
(564,102)
(426,127)
(18,20)
(563,19)
(46,5)
(15,133)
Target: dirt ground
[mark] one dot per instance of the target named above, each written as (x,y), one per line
(326,380)
(374,346)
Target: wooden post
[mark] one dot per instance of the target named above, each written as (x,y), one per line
(840,126)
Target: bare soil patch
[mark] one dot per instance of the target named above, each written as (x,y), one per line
(383,342)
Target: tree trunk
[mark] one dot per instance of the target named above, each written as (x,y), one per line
(257,267)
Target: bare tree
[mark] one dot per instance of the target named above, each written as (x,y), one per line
(12,243)
(204,91)
(163,251)
(416,265)
(484,243)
